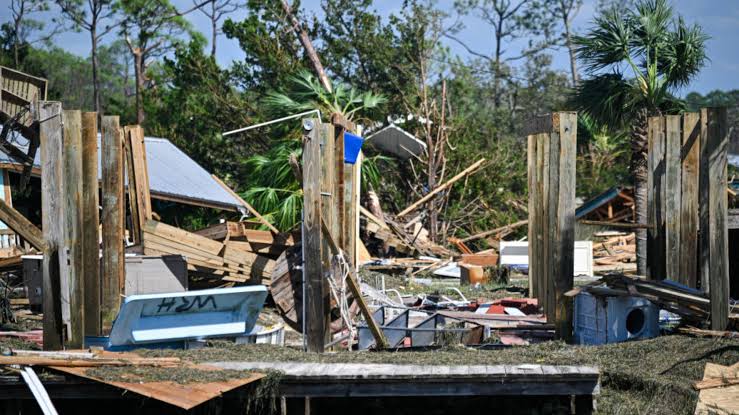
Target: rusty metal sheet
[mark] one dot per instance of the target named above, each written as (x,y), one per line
(185,396)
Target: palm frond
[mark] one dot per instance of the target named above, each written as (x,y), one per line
(610,99)
(684,54)
(606,43)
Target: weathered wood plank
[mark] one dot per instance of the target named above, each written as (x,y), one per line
(531,158)
(113,212)
(52,189)
(672,195)
(90,220)
(314,326)
(714,233)
(564,230)
(136,224)
(329,211)
(140,173)
(72,154)
(22,226)
(690,155)
(656,199)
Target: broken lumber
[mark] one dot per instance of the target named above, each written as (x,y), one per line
(22,226)
(446,185)
(246,204)
(496,230)
(82,362)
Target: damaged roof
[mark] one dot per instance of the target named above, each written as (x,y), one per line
(173,175)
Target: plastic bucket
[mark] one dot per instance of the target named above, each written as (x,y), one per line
(352,146)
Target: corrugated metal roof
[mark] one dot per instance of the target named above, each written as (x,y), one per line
(597,201)
(397,141)
(172,174)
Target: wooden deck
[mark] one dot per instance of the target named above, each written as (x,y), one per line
(378,380)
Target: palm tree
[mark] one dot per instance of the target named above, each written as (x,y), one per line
(274,187)
(635,59)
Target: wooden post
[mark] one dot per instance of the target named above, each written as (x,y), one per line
(551,165)
(136,224)
(714,209)
(656,199)
(73,249)
(562,237)
(533,203)
(90,224)
(672,197)
(690,154)
(139,172)
(51,208)
(339,224)
(353,214)
(113,201)
(314,326)
(329,212)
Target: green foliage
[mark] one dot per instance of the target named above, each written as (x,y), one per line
(660,52)
(306,93)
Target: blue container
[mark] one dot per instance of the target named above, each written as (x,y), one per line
(352,146)
(600,320)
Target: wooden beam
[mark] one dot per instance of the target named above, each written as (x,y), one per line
(355,241)
(690,155)
(510,226)
(714,209)
(380,341)
(52,190)
(442,187)
(113,216)
(140,169)
(314,307)
(136,224)
(673,196)
(656,199)
(90,224)
(615,224)
(562,179)
(22,226)
(73,249)
(329,210)
(248,207)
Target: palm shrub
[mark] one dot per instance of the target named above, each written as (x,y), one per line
(635,59)
(274,187)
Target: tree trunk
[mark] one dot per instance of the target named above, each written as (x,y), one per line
(308,46)
(571,50)
(639,171)
(95,77)
(138,67)
(214,32)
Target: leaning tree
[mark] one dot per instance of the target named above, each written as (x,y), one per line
(635,60)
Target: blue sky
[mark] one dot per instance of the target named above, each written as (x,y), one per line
(719,19)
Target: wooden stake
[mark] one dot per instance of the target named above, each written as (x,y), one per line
(714,210)
(314,327)
(440,188)
(90,224)
(113,201)
(51,219)
(73,249)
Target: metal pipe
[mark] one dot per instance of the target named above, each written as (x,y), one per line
(289,117)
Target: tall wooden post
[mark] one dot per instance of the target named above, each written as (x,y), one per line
(552,219)
(690,153)
(73,249)
(90,224)
(656,199)
(714,243)
(51,208)
(314,326)
(113,202)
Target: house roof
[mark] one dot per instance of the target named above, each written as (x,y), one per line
(397,141)
(598,201)
(172,175)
